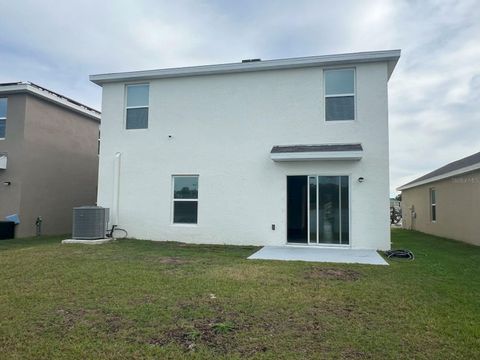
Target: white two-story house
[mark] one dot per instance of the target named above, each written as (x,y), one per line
(289,151)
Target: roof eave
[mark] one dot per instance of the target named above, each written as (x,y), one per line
(450,174)
(51,97)
(390,56)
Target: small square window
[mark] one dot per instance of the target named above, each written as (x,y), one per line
(137,106)
(339,108)
(137,118)
(185,212)
(186,187)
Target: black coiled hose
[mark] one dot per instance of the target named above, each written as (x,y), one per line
(400,254)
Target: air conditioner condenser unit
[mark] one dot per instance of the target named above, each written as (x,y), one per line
(90,222)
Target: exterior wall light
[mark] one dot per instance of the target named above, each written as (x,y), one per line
(7,183)
(361,179)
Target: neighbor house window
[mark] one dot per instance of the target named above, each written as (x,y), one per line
(339,94)
(433,204)
(137,106)
(3,117)
(185,199)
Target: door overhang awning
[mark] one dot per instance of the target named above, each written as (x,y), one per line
(339,152)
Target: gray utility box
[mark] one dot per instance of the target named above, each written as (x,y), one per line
(90,222)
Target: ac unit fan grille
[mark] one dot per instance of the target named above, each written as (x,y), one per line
(89,223)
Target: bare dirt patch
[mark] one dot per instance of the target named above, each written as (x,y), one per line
(217,329)
(332,274)
(172,261)
(71,317)
(114,323)
(95,319)
(228,331)
(340,310)
(213,333)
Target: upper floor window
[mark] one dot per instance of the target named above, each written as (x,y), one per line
(3,117)
(339,94)
(137,106)
(433,205)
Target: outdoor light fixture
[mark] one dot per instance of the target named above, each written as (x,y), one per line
(361,179)
(7,183)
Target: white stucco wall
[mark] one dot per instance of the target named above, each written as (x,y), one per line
(223,128)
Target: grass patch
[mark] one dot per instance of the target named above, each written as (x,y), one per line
(141,299)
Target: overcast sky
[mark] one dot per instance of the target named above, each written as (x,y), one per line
(434,91)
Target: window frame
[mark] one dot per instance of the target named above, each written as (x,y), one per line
(126,107)
(4,118)
(433,204)
(349,212)
(173,200)
(354,94)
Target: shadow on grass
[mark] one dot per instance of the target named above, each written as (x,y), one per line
(15,244)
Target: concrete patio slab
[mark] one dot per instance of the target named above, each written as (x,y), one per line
(88,242)
(318,254)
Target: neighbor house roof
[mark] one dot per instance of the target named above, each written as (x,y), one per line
(467,164)
(316,152)
(389,56)
(49,95)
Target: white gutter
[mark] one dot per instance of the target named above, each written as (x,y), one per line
(441,177)
(312,156)
(50,96)
(390,56)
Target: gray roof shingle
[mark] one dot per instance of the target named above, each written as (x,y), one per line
(453,166)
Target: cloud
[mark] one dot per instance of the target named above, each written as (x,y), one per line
(434,92)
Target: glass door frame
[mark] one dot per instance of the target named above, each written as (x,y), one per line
(317,243)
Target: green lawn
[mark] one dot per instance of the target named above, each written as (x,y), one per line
(141,299)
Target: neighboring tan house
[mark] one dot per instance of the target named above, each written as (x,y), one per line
(48,157)
(289,151)
(445,202)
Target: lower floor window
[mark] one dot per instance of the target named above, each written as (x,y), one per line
(185,199)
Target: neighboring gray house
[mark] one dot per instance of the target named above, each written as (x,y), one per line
(446,201)
(48,157)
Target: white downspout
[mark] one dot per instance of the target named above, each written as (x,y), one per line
(116,189)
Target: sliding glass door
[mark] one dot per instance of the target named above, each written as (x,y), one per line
(297,212)
(318,209)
